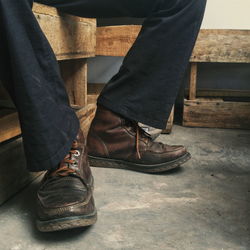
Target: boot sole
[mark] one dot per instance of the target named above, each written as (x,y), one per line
(66,223)
(155,168)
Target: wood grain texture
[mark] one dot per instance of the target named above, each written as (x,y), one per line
(216,113)
(70,37)
(193,81)
(86,116)
(74,74)
(211,46)
(220,93)
(94,90)
(170,123)
(222,46)
(115,40)
(9,126)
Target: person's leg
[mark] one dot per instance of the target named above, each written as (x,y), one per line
(147,84)
(50,129)
(30,73)
(48,123)
(26,50)
(145,88)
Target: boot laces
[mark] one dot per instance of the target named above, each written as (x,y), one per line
(69,165)
(139,133)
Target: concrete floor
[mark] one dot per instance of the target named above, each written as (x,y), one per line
(203,205)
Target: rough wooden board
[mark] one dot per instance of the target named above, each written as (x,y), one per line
(5,111)
(115,40)
(220,93)
(92,99)
(193,81)
(222,46)
(170,123)
(94,90)
(51,11)
(70,37)
(86,116)
(211,46)
(9,126)
(74,73)
(13,173)
(216,113)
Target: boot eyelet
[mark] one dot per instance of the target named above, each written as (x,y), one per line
(77,153)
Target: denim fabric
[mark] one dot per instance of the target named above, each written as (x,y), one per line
(143,90)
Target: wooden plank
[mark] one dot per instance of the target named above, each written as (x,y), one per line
(193,81)
(115,40)
(86,116)
(220,93)
(222,46)
(211,46)
(92,99)
(13,173)
(216,113)
(70,37)
(170,123)
(94,90)
(9,126)
(74,73)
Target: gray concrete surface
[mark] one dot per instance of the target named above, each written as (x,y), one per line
(203,205)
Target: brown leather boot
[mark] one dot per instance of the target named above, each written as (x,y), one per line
(116,142)
(65,197)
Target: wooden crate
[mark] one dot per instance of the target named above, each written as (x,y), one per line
(216,113)
(213,46)
(73,39)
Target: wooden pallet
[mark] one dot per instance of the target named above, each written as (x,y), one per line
(213,46)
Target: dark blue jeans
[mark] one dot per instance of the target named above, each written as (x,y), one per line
(143,90)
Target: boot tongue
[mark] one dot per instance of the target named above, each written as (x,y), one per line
(140,134)
(137,129)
